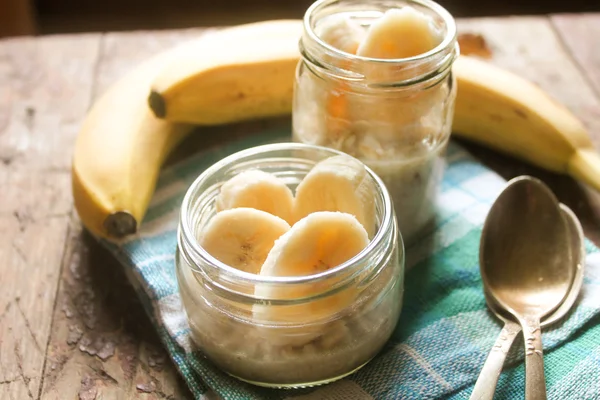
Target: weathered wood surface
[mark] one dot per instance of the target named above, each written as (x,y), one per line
(70,325)
(580,34)
(45,89)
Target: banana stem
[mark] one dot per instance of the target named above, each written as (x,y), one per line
(585,166)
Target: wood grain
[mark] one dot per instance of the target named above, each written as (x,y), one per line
(121,51)
(530,47)
(581,35)
(103,345)
(44,92)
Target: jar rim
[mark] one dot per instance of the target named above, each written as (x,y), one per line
(187,240)
(448,40)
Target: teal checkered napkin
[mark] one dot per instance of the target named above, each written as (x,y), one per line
(444,333)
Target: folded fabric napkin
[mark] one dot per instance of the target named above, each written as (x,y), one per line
(445,330)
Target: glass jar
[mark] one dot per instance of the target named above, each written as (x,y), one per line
(395,115)
(303,348)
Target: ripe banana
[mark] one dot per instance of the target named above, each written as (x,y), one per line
(242,237)
(508,113)
(122,145)
(118,154)
(251,78)
(338,183)
(318,242)
(259,190)
(493,106)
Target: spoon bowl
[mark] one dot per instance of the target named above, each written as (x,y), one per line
(525,248)
(578,254)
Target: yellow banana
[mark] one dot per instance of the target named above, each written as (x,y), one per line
(118,153)
(493,107)
(251,78)
(508,113)
(229,76)
(121,145)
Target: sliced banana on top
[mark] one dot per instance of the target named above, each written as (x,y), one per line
(400,33)
(257,189)
(339,183)
(315,244)
(341,32)
(321,241)
(242,237)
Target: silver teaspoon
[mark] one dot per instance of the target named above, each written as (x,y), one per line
(525,255)
(485,387)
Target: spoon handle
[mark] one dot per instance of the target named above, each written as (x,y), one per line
(485,387)
(535,381)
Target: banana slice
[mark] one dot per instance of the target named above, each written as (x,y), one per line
(259,190)
(242,237)
(342,33)
(320,241)
(339,183)
(400,33)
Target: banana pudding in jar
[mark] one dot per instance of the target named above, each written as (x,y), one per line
(290,264)
(375,82)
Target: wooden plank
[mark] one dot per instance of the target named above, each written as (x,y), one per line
(580,33)
(530,47)
(103,344)
(45,88)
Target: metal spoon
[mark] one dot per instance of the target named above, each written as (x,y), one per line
(525,247)
(485,387)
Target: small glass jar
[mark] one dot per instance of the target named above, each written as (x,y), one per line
(311,348)
(395,115)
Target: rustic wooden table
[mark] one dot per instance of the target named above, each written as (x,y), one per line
(70,325)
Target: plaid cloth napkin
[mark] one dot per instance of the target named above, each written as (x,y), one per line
(445,330)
